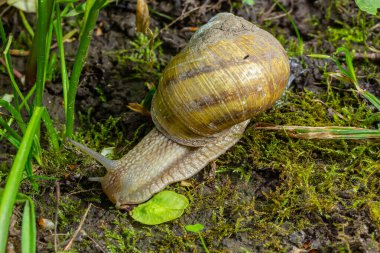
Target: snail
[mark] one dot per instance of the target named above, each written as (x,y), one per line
(230,71)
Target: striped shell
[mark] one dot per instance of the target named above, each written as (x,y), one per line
(229,72)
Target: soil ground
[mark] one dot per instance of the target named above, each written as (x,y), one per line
(270,192)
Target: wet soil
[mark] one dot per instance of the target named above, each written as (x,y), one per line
(108,84)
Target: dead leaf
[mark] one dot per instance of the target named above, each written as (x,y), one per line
(185,183)
(142,16)
(136,107)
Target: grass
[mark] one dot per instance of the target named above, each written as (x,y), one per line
(15,176)
(28,141)
(146,54)
(300,46)
(346,74)
(90,16)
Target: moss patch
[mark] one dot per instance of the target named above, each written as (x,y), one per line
(270,192)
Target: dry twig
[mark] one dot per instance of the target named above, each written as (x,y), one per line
(57,196)
(70,243)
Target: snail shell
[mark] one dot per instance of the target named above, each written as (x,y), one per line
(230,71)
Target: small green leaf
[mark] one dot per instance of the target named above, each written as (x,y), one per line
(319,56)
(164,206)
(108,152)
(79,9)
(248,2)
(196,228)
(369,6)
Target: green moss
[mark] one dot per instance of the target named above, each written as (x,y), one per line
(108,133)
(69,211)
(145,54)
(117,240)
(267,188)
(357,30)
(311,178)
(291,44)
(347,34)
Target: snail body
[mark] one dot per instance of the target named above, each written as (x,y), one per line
(229,72)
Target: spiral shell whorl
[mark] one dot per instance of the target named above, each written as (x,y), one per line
(230,71)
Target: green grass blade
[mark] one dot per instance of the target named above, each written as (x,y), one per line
(29,173)
(203,243)
(37,151)
(14,112)
(61,50)
(349,72)
(27,97)
(7,128)
(320,56)
(49,36)
(29,231)
(331,132)
(298,34)
(15,139)
(28,227)
(11,139)
(53,136)
(350,67)
(8,63)
(15,175)
(12,136)
(85,39)
(371,98)
(26,23)
(43,22)
(2,33)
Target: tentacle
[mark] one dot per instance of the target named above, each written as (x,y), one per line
(107,163)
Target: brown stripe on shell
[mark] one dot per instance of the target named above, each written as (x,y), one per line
(216,62)
(225,121)
(193,73)
(228,96)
